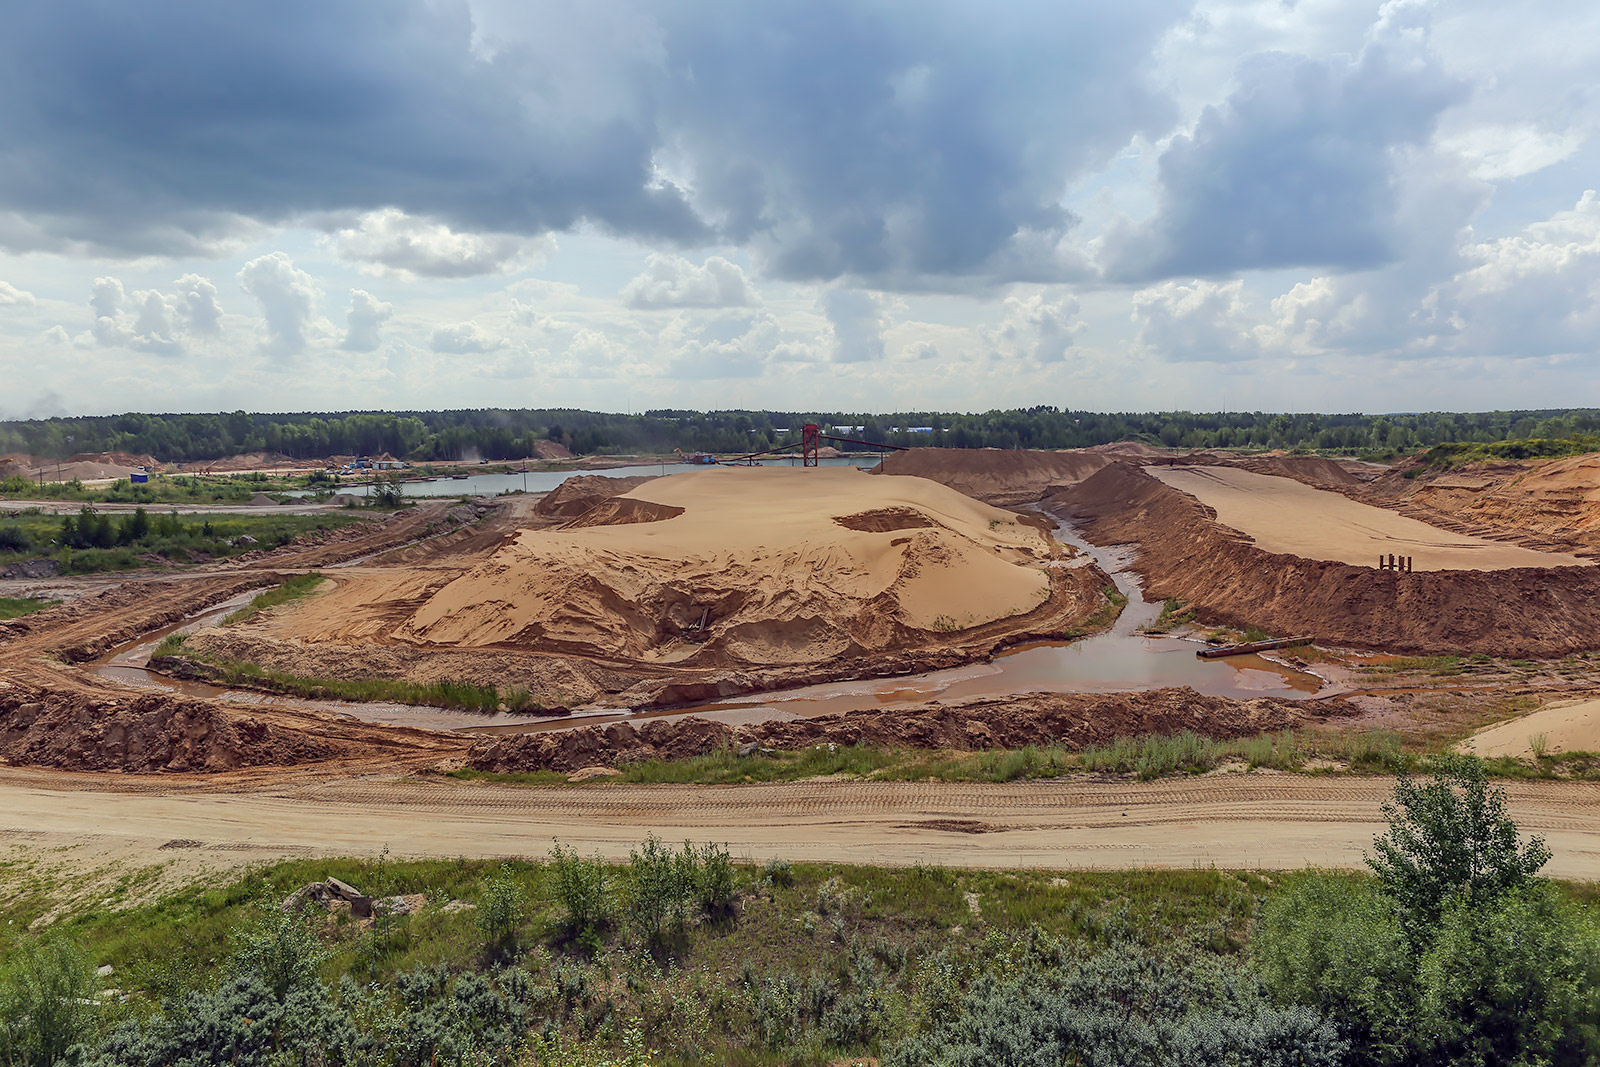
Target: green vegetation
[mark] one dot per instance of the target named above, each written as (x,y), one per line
(1460,955)
(502,434)
(15,607)
(447,693)
(1174,615)
(1455,454)
(93,541)
(293,588)
(160,489)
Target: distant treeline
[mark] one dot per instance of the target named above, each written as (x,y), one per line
(501,434)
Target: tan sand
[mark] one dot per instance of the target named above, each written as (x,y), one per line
(788,565)
(1235,821)
(1283,515)
(1566,727)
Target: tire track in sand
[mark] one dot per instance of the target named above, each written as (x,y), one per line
(1254,820)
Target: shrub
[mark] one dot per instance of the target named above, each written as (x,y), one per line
(714,880)
(46,1002)
(1335,944)
(15,539)
(1124,1006)
(777,871)
(502,908)
(580,889)
(278,949)
(663,887)
(1450,836)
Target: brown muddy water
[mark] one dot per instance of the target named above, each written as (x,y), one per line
(1119,660)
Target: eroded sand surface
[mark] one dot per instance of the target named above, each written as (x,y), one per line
(1565,727)
(784,566)
(1283,515)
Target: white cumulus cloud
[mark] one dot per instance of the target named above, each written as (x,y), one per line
(392,241)
(674,282)
(11,295)
(459,338)
(365,319)
(286,296)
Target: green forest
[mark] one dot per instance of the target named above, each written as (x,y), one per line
(505,434)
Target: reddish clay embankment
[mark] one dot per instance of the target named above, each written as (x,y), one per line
(1183,553)
(1073,720)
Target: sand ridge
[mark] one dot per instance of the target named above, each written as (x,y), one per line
(1566,726)
(759,554)
(1285,515)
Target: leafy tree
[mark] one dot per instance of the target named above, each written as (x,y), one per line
(1447,837)
(279,950)
(580,890)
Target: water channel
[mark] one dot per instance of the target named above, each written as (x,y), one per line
(1119,660)
(544,481)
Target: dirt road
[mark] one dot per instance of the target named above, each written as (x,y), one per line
(1239,821)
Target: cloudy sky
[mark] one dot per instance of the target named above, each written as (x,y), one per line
(1317,205)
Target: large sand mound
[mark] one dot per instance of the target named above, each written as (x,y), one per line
(999,476)
(761,556)
(1284,515)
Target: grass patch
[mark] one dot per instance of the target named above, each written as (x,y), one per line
(292,589)
(447,693)
(1141,758)
(1447,666)
(1174,614)
(15,607)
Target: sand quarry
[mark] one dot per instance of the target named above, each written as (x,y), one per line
(637,596)
(707,574)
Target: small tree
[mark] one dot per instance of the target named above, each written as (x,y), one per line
(580,889)
(1450,836)
(279,949)
(503,907)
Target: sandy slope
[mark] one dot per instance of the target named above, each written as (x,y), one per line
(1237,821)
(1548,499)
(1283,515)
(1566,726)
(1000,476)
(786,565)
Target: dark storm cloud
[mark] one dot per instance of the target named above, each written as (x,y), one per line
(891,141)
(1298,166)
(882,141)
(155,127)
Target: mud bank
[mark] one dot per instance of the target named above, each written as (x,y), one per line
(1182,552)
(1073,720)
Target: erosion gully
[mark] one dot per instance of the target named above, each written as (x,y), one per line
(1118,660)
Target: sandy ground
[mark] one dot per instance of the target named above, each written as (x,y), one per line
(784,565)
(1283,515)
(1230,821)
(1567,727)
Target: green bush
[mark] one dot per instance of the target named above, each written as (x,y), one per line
(714,880)
(47,1002)
(1450,837)
(1336,945)
(279,950)
(580,890)
(663,887)
(1126,1005)
(502,908)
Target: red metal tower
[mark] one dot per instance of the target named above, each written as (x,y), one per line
(808,444)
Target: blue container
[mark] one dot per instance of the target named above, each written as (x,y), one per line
(139,479)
